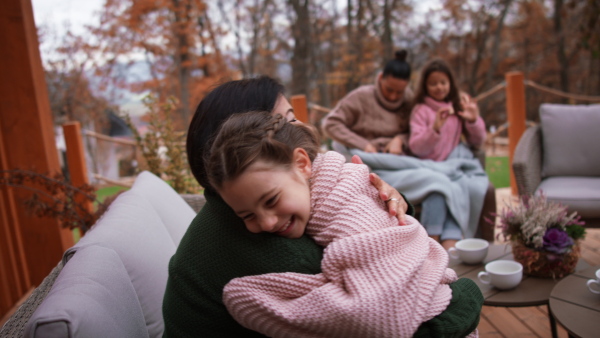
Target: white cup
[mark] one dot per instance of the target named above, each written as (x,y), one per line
(470,250)
(503,274)
(594,284)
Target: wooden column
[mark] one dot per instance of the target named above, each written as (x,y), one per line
(515,109)
(27,142)
(76,160)
(300,106)
(14,273)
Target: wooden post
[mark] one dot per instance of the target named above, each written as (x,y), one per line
(28,143)
(76,160)
(300,107)
(515,109)
(14,274)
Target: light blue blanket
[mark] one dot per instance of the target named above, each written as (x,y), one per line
(460,178)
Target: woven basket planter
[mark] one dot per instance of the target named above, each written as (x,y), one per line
(544,264)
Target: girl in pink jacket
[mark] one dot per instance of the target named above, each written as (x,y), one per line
(441,115)
(378,279)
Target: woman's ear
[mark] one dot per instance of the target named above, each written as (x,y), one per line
(301,162)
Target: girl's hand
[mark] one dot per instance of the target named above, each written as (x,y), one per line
(440,117)
(396,204)
(394,146)
(471,110)
(369,148)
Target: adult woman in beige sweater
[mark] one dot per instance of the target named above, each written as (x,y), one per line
(375,117)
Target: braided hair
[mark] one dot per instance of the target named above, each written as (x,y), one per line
(247,138)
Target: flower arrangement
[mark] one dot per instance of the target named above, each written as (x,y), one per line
(544,235)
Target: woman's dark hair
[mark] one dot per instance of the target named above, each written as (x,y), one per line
(438,65)
(247,138)
(398,67)
(229,98)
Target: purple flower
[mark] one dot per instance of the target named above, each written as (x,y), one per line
(557,241)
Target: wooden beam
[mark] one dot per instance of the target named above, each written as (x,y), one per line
(76,160)
(515,109)
(28,143)
(14,274)
(300,107)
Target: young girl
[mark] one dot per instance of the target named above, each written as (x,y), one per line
(442,114)
(378,279)
(440,117)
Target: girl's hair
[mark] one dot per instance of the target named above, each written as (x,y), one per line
(438,65)
(256,136)
(229,98)
(398,67)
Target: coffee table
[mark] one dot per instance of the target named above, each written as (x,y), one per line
(574,306)
(531,291)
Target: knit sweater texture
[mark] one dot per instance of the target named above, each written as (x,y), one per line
(365,116)
(378,279)
(426,143)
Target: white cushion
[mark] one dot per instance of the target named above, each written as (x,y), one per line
(570,136)
(175,213)
(134,228)
(91,297)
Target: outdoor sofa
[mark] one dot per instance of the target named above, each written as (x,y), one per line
(112,282)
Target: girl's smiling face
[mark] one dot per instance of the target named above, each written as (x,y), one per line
(438,86)
(272,198)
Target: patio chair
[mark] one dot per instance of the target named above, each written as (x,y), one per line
(560,158)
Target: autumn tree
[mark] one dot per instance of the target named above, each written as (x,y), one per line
(176,39)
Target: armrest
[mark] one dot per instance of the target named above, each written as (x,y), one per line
(527,161)
(15,326)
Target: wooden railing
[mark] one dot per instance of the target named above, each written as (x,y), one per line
(514,85)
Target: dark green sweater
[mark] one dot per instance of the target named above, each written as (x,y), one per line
(217,248)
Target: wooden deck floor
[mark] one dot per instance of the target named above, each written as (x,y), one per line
(530,321)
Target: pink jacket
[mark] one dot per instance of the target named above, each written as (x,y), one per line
(425,143)
(378,279)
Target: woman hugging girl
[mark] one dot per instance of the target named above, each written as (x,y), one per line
(379,279)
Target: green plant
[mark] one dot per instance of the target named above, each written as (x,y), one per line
(497,169)
(54,196)
(163,148)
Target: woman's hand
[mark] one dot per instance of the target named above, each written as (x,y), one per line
(369,148)
(396,204)
(394,146)
(471,110)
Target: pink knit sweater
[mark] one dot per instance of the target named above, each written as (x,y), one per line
(425,143)
(378,279)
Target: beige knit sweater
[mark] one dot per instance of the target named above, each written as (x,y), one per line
(379,279)
(365,116)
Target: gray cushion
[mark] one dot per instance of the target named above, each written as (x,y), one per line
(135,231)
(581,194)
(173,210)
(571,137)
(92,297)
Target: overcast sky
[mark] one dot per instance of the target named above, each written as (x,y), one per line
(56,13)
